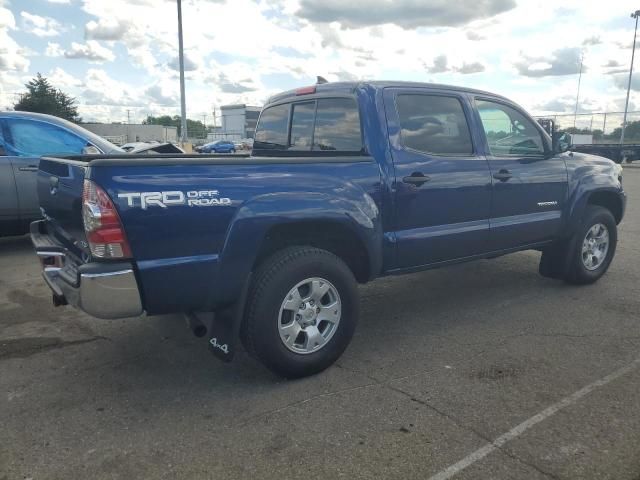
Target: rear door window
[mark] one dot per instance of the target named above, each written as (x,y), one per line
(433,124)
(273,128)
(337,125)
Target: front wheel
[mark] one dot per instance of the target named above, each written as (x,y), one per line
(594,246)
(301,311)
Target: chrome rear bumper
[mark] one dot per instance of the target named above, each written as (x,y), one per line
(103,290)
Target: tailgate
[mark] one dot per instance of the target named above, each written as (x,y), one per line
(60,185)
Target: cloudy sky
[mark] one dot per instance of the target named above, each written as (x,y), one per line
(115,55)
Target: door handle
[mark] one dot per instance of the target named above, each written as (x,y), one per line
(416,178)
(503,175)
(30,168)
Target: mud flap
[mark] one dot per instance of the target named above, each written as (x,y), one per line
(556,259)
(224,328)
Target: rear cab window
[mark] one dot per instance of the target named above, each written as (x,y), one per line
(310,126)
(271,133)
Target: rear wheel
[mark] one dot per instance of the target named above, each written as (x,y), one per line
(301,311)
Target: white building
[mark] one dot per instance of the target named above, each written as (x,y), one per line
(239,121)
(121,133)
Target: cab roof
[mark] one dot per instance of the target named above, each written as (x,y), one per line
(350,87)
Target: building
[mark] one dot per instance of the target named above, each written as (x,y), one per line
(239,121)
(121,133)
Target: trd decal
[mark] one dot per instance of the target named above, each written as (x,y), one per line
(194,198)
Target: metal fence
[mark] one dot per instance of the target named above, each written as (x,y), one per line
(605,126)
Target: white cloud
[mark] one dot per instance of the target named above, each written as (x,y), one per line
(59,78)
(527,50)
(40,26)
(7,20)
(54,50)
(107,29)
(12,55)
(101,89)
(189,63)
(565,61)
(404,13)
(91,50)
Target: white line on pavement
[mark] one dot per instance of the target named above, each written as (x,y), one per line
(527,424)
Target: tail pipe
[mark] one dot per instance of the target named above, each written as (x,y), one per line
(198,328)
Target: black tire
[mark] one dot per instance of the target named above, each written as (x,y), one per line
(577,273)
(272,281)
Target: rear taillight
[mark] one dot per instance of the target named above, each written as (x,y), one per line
(102,225)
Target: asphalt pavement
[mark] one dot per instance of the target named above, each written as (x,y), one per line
(479,371)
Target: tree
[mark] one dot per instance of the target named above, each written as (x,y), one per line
(631,133)
(195,128)
(42,97)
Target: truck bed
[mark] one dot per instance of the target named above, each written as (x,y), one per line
(227,205)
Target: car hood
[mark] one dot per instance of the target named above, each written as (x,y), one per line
(586,164)
(158,148)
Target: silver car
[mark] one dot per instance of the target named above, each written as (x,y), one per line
(24,138)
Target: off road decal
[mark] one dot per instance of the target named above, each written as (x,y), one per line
(194,198)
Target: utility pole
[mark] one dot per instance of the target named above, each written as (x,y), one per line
(635,15)
(204,122)
(183,105)
(575,112)
(128,123)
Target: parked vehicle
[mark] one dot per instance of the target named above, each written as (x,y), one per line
(128,147)
(156,147)
(219,146)
(613,151)
(24,137)
(347,182)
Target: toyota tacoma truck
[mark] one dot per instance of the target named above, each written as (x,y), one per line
(346,182)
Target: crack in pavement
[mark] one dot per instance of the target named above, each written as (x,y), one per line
(469,429)
(386,384)
(26,347)
(303,401)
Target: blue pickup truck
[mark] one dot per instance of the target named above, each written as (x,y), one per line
(346,182)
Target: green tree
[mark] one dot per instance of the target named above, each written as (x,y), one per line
(42,97)
(195,128)
(631,133)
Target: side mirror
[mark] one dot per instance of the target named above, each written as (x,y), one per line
(3,152)
(561,142)
(90,150)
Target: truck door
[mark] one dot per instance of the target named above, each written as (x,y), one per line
(529,183)
(9,212)
(442,187)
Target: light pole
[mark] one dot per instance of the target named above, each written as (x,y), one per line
(575,112)
(183,105)
(635,15)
